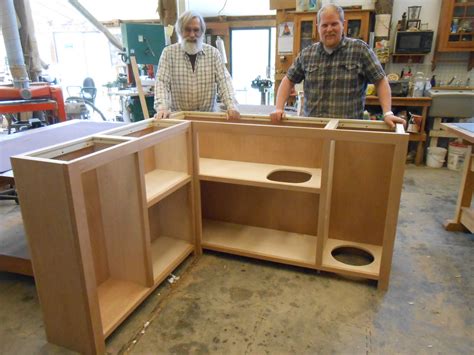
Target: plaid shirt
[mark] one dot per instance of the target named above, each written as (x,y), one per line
(179,88)
(335,84)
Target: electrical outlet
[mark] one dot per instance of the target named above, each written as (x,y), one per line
(140,38)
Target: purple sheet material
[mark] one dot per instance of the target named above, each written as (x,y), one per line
(23,142)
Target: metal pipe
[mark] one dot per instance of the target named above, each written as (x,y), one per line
(96,23)
(16,61)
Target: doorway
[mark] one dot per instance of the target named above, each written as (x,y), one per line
(252,55)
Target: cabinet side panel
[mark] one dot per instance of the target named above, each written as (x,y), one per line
(361,181)
(291,151)
(290,211)
(171,217)
(49,220)
(171,154)
(94,222)
(123,221)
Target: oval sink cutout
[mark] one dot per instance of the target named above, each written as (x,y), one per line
(352,256)
(295,177)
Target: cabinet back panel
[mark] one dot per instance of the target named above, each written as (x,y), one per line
(170,154)
(123,220)
(290,211)
(95,226)
(286,150)
(362,173)
(171,217)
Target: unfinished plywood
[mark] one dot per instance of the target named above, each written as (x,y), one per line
(93,253)
(132,203)
(349,200)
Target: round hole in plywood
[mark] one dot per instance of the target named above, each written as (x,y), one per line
(292,176)
(352,256)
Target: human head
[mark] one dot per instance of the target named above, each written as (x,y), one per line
(330,25)
(185,20)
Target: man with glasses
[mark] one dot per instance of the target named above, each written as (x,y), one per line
(336,72)
(190,73)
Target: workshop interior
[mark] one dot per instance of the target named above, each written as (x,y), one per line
(124,233)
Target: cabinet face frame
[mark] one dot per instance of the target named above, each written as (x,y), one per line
(65,216)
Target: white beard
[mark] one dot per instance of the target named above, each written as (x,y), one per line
(192,47)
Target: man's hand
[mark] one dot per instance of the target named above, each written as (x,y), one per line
(277,115)
(162,114)
(233,114)
(391,120)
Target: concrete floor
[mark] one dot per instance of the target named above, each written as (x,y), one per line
(231,305)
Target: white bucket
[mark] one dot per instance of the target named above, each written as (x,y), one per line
(436,157)
(456,154)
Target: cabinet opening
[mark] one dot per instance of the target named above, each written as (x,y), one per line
(291,176)
(352,256)
(283,210)
(78,149)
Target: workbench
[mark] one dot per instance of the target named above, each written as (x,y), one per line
(424,103)
(464,214)
(14,254)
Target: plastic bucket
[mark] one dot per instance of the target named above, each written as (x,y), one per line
(436,157)
(456,154)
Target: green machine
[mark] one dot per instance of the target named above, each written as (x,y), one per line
(146,42)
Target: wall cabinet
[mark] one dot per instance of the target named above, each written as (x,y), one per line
(455,29)
(356,25)
(131,204)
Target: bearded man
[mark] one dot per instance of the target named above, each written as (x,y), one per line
(190,73)
(336,71)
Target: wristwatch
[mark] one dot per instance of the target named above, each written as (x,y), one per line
(388,113)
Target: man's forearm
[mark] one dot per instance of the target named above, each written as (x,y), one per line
(384,94)
(283,94)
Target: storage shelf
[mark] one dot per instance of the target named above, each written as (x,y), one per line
(161,183)
(167,254)
(117,299)
(262,243)
(370,271)
(255,174)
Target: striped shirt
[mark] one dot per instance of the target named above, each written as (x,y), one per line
(335,84)
(179,88)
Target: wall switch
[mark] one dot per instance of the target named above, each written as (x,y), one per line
(140,38)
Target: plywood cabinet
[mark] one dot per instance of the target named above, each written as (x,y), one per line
(108,217)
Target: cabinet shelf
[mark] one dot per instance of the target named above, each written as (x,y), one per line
(167,253)
(262,243)
(255,174)
(117,299)
(370,271)
(160,183)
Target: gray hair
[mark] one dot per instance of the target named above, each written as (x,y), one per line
(187,17)
(334,8)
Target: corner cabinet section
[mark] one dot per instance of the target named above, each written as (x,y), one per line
(310,197)
(107,218)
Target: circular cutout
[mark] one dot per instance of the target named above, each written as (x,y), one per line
(352,256)
(296,177)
